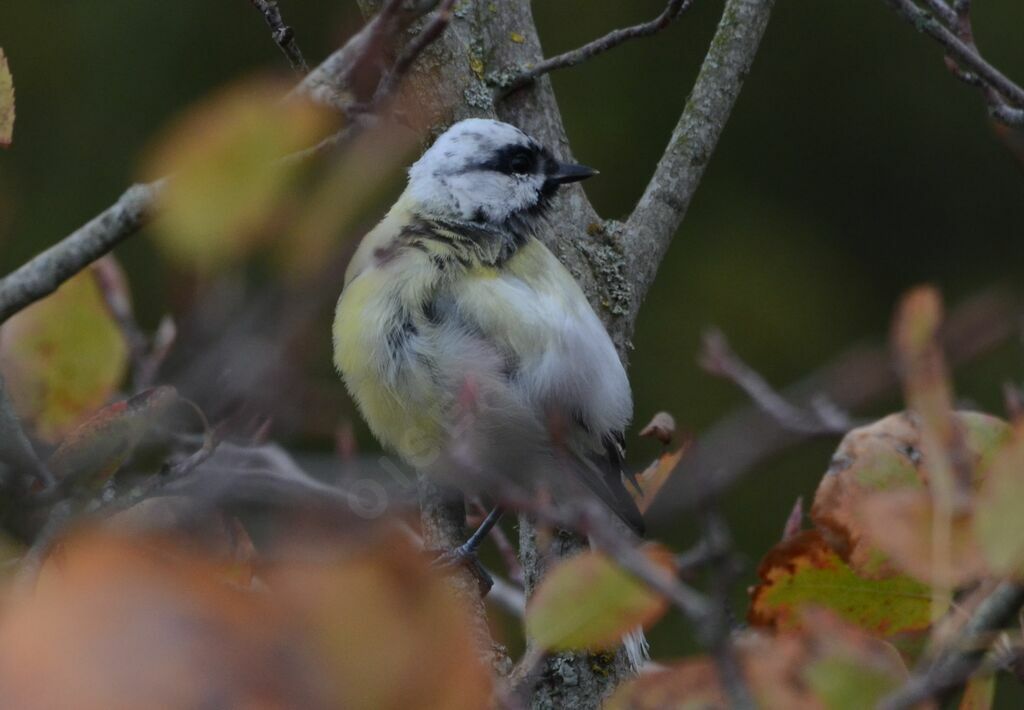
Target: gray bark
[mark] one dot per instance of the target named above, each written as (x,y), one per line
(615,263)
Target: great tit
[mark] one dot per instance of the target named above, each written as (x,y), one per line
(466,344)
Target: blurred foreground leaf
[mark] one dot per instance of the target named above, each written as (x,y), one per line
(95,450)
(62,357)
(589,602)
(804,572)
(388,628)
(828,664)
(6,103)
(151,623)
(887,457)
(228,188)
(902,525)
(979,693)
(998,522)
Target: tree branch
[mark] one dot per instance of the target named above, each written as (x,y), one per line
(282,34)
(656,218)
(328,84)
(1004,97)
(734,445)
(954,667)
(44,273)
(820,418)
(613,39)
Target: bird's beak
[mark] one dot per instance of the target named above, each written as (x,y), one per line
(570,172)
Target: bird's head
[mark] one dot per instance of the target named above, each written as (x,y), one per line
(489,172)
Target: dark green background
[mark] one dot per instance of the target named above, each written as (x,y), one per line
(853,168)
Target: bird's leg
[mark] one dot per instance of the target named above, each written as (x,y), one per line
(466,553)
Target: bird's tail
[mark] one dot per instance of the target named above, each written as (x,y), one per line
(636,648)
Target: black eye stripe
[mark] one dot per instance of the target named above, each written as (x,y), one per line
(513,159)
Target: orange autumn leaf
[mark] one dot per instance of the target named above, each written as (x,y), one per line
(804,572)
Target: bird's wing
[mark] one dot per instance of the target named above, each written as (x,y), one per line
(560,363)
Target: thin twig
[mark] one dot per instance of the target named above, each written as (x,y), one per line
(821,418)
(16,453)
(44,273)
(953,668)
(116,296)
(1005,97)
(426,36)
(672,10)
(733,446)
(718,627)
(57,521)
(283,35)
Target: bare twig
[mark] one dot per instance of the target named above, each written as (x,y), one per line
(1004,97)
(17,456)
(794,521)
(43,274)
(821,418)
(954,667)
(734,445)
(672,10)
(283,35)
(426,36)
(116,295)
(718,626)
(57,521)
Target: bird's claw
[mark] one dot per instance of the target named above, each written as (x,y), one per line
(466,557)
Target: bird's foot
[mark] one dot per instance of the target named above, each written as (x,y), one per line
(465,556)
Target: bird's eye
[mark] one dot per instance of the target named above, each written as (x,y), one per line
(521,163)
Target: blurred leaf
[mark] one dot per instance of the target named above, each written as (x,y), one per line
(827,665)
(804,572)
(844,684)
(149,622)
(6,103)
(901,524)
(884,457)
(979,693)
(352,185)
(113,623)
(589,602)
(62,357)
(388,629)
(929,397)
(691,684)
(654,477)
(97,448)
(228,188)
(998,522)
(214,535)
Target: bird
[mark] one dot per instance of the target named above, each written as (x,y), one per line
(465,343)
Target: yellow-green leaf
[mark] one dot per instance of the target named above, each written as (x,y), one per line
(62,357)
(979,693)
(228,188)
(998,523)
(6,102)
(804,572)
(846,684)
(589,602)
